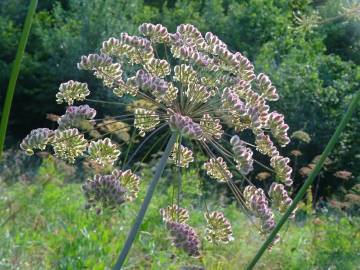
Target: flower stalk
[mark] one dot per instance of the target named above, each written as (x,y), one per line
(150,192)
(334,139)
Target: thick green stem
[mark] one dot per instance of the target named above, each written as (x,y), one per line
(309,180)
(15,73)
(135,228)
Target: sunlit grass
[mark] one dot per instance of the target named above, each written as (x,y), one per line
(53,231)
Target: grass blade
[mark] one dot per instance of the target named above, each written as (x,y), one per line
(15,73)
(135,228)
(309,180)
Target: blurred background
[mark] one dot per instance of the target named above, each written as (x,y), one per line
(309,49)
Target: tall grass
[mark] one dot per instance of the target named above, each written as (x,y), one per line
(334,139)
(15,73)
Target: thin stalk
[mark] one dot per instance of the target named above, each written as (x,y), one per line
(15,73)
(135,228)
(309,180)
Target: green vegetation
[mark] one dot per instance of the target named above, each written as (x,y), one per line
(49,228)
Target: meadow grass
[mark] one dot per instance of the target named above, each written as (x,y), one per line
(45,226)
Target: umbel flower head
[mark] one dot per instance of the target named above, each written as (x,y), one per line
(218,228)
(184,237)
(174,213)
(184,83)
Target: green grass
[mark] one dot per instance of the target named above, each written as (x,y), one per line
(53,231)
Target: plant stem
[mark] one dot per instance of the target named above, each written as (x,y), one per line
(309,180)
(15,73)
(135,228)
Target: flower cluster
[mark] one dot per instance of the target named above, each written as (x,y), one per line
(69,144)
(217,168)
(181,156)
(218,228)
(145,120)
(37,139)
(174,213)
(259,206)
(242,155)
(203,92)
(103,152)
(104,191)
(71,91)
(280,198)
(129,181)
(278,128)
(184,237)
(75,115)
(185,125)
(282,169)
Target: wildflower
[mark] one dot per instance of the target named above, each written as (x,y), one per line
(174,213)
(243,155)
(209,90)
(280,198)
(181,156)
(37,139)
(103,152)
(217,168)
(74,115)
(301,136)
(104,191)
(184,237)
(71,91)
(259,206)
(69,144)
(129,181)
(218,228)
